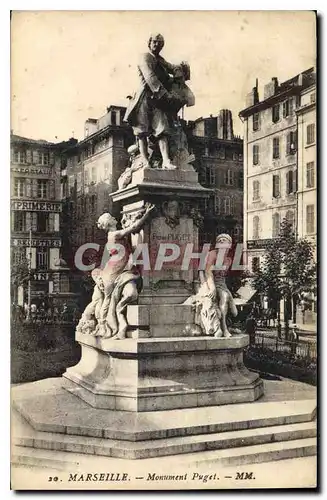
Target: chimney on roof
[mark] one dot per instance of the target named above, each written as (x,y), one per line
(225,125)
(252,97)
(271,88)
(91,126)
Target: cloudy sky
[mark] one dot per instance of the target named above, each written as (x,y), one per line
(68,66)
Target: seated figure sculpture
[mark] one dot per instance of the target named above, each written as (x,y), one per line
(213,300)
(118,283)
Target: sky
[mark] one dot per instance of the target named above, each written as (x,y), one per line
(68,66)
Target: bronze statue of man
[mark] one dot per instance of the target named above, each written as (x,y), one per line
(156,103)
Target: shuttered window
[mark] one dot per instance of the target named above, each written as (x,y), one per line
(275,225)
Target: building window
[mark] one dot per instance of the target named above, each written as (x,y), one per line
(19,221)
(19,187)
(291,182)
(208,176)
(222,154)
(275,113)
(291,140)
(256,121)
(204,206)
(93,202)
(311,133)
(43,158)
(255,264)
(42,188)
(275,225)
(313,98)
(256,227)
(275,148)
(41,258)
(310,219)
(288,107)
(18,256)
(276,186)
(229,177)
(94,175)
(290,218)
(71,182)
(31,221)
(212,176)
(113,118)
(106,170)
(310,174)
(240,180)
(79,181)
(255,154)
(256,190)
(42,222)
(217,205)
(86,177)
(228,208)
(19,156)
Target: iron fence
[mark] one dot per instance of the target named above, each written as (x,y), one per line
(300,348)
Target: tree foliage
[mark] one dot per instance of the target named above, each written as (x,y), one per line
(19,272)
(288,268)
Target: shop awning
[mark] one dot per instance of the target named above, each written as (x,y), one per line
(244,295)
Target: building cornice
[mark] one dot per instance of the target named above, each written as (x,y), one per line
(268,103)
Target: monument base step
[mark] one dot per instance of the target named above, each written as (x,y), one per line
(76,462)
(28,437)
(48,420)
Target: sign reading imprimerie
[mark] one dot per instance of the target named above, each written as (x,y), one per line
(41,206)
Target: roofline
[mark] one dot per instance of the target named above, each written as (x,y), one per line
(267,103)
(113,128)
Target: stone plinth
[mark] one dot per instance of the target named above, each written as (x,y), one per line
(160,320)
(176,195)
(139,375)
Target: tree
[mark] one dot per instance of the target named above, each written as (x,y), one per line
(19,274)
(287,271)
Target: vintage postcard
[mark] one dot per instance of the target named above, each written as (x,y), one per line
(163,250)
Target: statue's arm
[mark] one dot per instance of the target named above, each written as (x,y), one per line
(147,68)
(170,68)
(137,225)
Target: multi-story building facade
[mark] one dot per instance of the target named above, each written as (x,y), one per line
(219,162)
(35,216)
(307,173)
(89,171)
(272,145)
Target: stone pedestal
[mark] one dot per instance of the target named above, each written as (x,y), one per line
(142,375)
(160,365)
(176,195)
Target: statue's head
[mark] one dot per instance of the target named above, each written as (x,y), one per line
(224,241)
(156,43)
(106,222)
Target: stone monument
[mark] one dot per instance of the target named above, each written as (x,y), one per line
(158,362)
(149,340)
